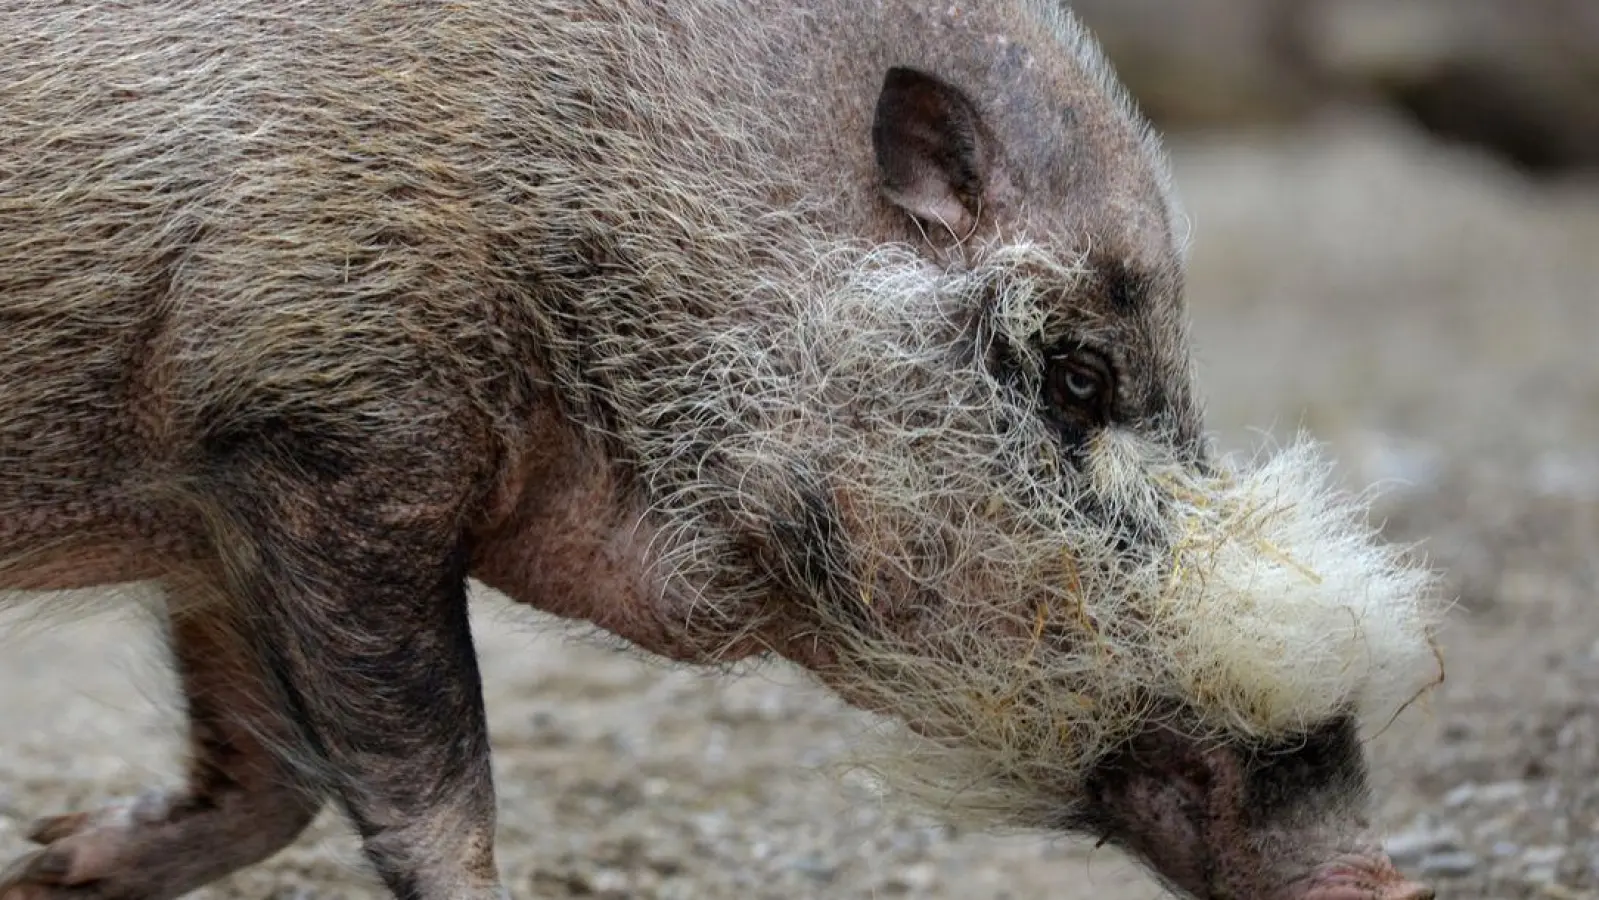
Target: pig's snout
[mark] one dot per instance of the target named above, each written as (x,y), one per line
(1363,879)
(1407,890)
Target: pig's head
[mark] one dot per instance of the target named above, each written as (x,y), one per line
(963,477)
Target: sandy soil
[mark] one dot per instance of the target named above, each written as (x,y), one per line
(1430,315)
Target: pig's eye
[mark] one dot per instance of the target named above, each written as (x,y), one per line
(1077,386)
(1083,386)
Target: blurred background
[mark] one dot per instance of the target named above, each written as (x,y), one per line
(1518,78)
(1395,219)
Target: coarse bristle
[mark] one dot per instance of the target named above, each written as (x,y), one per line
(1283,608)
(1273,609)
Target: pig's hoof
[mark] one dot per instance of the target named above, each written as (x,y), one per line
(156,847)
(37,876)
(86,856)
(45,875)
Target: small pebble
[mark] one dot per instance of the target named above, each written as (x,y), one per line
(1543,856)
(1543,876)
(1497,792)
(1409,846)
(1449,865)
(609,881)
(918,877)
(812,866)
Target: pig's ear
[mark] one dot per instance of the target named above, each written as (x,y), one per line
(932,150)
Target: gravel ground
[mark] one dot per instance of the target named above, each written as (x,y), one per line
(1433,317)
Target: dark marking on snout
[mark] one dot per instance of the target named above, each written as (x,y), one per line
(1290,772)
(1127,769)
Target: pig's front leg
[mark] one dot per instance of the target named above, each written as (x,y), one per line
(352,568)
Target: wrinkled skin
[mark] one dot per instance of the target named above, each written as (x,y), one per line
(1223,823)
(315,310)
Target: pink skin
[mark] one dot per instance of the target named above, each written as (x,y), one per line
(1369,877)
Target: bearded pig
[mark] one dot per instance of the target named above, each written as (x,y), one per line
(846,331)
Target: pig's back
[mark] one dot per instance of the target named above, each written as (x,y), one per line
(225,217)
(221,217)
